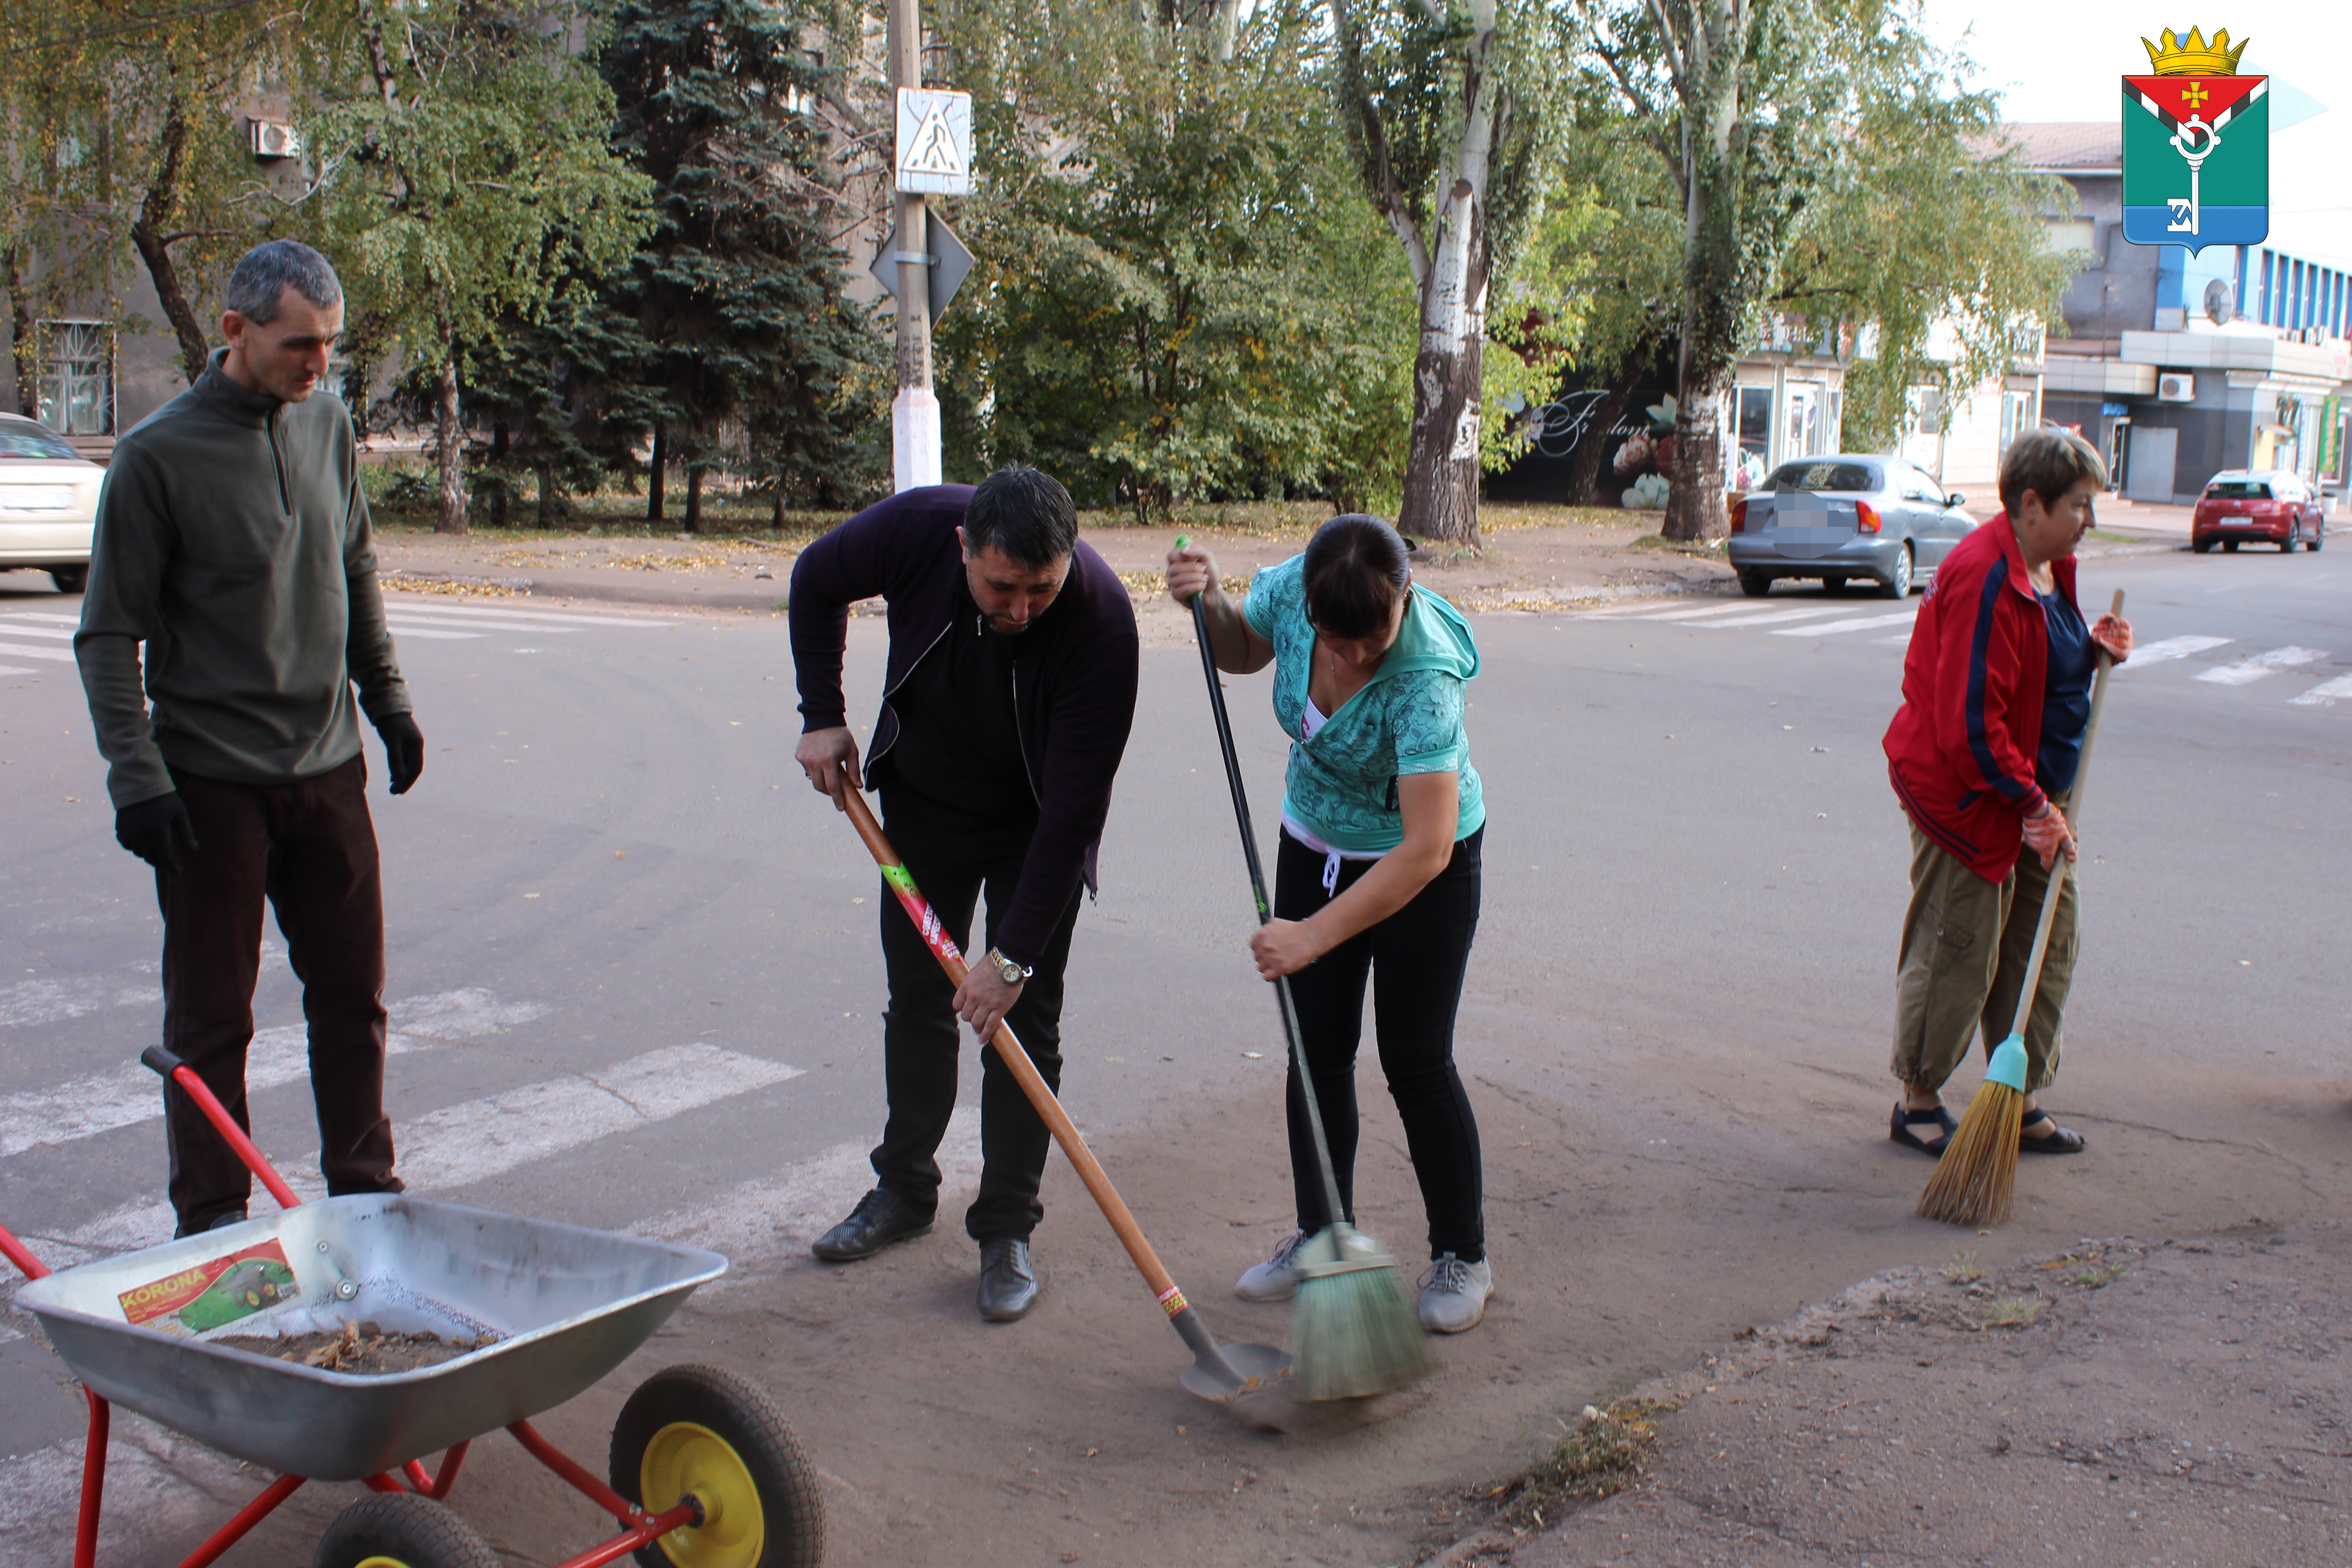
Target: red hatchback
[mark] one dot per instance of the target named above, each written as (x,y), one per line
(2268,505)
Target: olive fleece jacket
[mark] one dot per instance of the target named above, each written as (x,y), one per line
(234,541)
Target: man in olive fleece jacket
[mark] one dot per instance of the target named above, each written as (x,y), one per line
(233,541)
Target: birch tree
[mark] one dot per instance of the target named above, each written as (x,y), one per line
(1446,109)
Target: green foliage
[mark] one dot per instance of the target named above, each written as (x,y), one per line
(1179,294)
(463,177)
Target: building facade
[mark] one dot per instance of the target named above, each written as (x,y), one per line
(2179,366)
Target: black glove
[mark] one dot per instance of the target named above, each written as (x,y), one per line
(159,832)
(403,749)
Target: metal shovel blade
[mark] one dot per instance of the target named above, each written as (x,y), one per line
(1224,1370)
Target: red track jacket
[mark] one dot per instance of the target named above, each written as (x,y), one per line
(1961,749)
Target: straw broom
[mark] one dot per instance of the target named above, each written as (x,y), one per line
(1976,1180)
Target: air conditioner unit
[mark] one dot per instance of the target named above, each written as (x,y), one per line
(273,139)
(2175,387)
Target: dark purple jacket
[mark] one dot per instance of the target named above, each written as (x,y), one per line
(1073,679)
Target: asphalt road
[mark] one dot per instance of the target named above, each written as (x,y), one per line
(610,877)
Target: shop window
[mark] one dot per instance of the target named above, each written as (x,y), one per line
(1805,419)
(2016,417)
(1755,437)
(78,378)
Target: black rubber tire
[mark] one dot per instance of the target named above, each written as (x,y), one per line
(70,579)
(1755,585)
(1900,588)
(742,1414)
(2203,547)
(2294,537)
(1833,585)
(2232,546)
(415,1531)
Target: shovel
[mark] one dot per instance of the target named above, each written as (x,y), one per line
(1218,1372)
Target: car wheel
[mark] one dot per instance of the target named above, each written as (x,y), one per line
(2203,546)
(1833,585)
(1898,585)
(2294,537)
(70,579)
(2231,545)
(1755,585)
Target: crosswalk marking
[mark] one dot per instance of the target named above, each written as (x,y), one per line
(15,615)
(409,606)
(2255,666)
(29,1002)
(1777,618)
(408,618)
(127,1095)
(2324,694)
(1838,628)
(15,670)
(426,632)
(1704,610)
(53,654)
(29,628)
(472,1142)
(2170,647)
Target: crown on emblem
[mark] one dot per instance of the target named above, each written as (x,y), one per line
(2192,56)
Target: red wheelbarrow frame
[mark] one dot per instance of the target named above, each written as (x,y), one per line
(642,1529)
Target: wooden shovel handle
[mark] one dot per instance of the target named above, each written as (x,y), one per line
(1017,1060)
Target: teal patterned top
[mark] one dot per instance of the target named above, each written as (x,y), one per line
(1342,785)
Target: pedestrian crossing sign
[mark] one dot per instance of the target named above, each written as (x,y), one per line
(2196,156)
(934,143)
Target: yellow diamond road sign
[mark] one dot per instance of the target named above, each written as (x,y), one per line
(934,143)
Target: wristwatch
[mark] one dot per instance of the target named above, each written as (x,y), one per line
(1012,973)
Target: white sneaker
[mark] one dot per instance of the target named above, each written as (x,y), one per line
(1454,1294)
(1276,1278)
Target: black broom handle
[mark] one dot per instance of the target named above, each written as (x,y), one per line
(1264,908)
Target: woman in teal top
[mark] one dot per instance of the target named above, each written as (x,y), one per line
(1377,874)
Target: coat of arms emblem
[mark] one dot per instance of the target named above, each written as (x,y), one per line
(2197,157)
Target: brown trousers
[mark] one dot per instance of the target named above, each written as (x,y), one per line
(308,848)
(1966,944)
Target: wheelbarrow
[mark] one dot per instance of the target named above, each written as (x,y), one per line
(703,1470)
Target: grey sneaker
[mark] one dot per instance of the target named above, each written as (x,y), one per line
(1454,1294)
(1276,1278)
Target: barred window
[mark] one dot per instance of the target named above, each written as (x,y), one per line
(78,378)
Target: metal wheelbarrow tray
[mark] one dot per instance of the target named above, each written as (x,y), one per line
(568,1305)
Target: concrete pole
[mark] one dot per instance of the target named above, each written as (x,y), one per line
(914,412)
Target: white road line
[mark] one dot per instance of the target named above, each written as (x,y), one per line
(1699,613)
(129,1094)
(15,669)
(24,629)
(29,1002)
(55,655)
(411,606)
(39,616)
(775,1216)
(2325,693)
(2255,666)
(461,1145)
(1775,616)
(1838,628)
(1647,606)
(2171,647)
(481,624)
(413,629)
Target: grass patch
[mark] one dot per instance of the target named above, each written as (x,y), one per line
(2013,1311)
(1710,550)
(1599,1459)
(1964,1268)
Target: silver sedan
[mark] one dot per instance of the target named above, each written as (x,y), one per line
(1837,518)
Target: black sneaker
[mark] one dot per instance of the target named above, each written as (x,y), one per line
(880,1218)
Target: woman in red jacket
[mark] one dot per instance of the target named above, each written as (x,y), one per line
(1996,698)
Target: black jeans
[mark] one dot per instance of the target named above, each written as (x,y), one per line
(309,849)
(953,858)
(1416,959)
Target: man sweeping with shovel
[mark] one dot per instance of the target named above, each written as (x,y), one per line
(1006,703)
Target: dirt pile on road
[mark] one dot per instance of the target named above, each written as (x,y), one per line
(2120,1403)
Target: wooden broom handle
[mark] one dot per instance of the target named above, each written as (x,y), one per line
(1017,1060)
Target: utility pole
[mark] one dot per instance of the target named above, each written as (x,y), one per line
(915,411)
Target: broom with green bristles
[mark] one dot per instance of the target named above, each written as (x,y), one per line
(1975,1178)
(1354,1330)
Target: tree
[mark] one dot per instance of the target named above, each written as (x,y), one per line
(737,294)
(469,181)
(1827,161)
(1445,111)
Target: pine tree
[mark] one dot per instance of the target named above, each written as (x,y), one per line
(749,349)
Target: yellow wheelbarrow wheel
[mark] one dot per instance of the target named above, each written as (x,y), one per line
(699,1432)
(400,1529)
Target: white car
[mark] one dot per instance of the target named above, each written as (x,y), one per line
(48,503)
